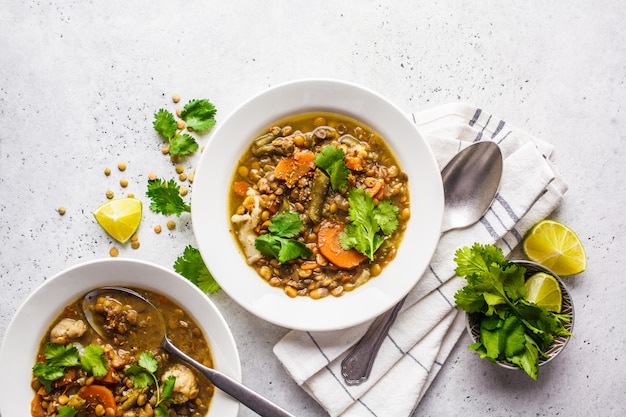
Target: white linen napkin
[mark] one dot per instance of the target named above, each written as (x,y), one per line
(429,325)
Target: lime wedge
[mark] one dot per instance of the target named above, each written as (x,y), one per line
(556,247)
(544,290)
(120,218)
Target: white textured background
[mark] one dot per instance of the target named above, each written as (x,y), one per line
(80,80)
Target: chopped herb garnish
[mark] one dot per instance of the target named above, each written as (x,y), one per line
(278,243)
(143,374)
(369,223)
(331,160)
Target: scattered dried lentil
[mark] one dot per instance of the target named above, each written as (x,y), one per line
(107,171)
(110,194)
(124,182)
(182,176)
(157,229)
(179,168)
(165,149)
(131,195)
(135,244)
(61,210)
(183,191)
(171,224)
(179,111)
(114,252)
(175,97)
(152,176)
(180,124)
(121,166)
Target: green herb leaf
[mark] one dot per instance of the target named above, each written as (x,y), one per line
(366,221)
(58,357)
(161,411)
(199,115)
(191,265)
(165,124)
(93,361)
(281,248)
(277,243)
(183,145)
(66,411)
(286,224)
(165,197)
(140,377)
(330,160)
(168,388)
(148,362)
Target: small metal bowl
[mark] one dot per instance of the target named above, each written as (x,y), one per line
(473,323)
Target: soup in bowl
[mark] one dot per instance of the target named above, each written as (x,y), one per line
(317,205)
(50,333)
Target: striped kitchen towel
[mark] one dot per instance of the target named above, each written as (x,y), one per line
(429,325)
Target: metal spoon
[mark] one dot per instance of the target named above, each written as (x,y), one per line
(470,183)
(243,394)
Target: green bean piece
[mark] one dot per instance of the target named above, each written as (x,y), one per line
(319,188)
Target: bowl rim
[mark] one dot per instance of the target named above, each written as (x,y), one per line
(532,268)
(270,304)
(21,339)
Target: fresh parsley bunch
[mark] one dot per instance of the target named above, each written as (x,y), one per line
(199,116)
(512,329)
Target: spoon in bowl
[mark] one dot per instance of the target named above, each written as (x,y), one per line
(243,394)
(470,183)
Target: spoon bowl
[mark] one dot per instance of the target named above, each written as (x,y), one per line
(154,329)
(470,182)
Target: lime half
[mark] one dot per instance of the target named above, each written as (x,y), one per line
(544,290)
(120,218)
(556,247)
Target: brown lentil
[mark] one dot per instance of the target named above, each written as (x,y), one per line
(121,166)
(61,210)
(107,171)
(124,182)
(171,224)
(110,194)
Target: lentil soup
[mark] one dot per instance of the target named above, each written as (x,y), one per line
(97,377)
(293,202)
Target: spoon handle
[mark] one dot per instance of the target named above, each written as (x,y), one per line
(356,367)
(238,391)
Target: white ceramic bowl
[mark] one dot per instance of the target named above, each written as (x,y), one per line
(19,347)
(211,224)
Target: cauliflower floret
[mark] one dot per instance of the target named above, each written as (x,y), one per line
(185,387)
(66,330)
(246,224)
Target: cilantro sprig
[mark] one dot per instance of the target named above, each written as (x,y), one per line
(278,243)
(58,357)
(369,223)
(165,197)
(199,116)
(512,329)
(191,265)
(143,374)
(331,160)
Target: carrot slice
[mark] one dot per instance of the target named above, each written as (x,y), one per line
(97,394)
(292,168)
(36,409)
(329,245)
(354,163)
(241,188)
